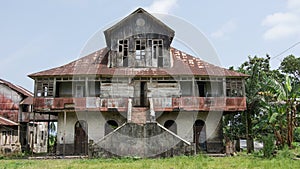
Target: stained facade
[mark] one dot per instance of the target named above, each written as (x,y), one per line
(18,131)
(139,96)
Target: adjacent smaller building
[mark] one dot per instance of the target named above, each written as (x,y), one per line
(20,128)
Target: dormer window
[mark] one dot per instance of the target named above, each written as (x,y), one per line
(157,48)
(140,49)
(123,51)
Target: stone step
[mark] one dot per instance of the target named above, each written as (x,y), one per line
(139,115)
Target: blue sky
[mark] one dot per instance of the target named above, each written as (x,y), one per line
(38,35)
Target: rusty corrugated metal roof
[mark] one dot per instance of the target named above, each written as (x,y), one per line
(17,88)
(28,100)
(96,64)
(7,122)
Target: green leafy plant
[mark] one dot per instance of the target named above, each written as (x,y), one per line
(269,147)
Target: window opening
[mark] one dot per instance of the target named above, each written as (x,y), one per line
(123,51)
(140,49)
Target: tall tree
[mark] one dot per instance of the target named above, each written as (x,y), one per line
(258,68)
(291,66)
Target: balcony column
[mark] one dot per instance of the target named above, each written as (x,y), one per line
(243,87)
(86,87)
(152,112)
(224,87)
(129,110)
(64,134)
(54,87)
(193,86)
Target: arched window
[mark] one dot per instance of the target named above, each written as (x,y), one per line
(171,125)
(110,126)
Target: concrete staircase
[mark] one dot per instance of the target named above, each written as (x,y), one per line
(139,115)
(141,140)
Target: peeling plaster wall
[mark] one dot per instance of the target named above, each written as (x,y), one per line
(96,126)
(185,121)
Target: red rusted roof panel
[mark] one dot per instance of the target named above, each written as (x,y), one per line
(96,64)
(7,122)
(17,88)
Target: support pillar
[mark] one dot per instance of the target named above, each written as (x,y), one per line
(129,110)
(64,134)
(33,138)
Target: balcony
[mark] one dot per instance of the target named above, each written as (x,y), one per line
(159,104)
(80,104)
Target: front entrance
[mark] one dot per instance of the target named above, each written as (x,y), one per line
(140,94)
(81,138)
(200,135)
(143,94)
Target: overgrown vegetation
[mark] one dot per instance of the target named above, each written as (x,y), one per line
(269,147)
(272,104)
(183,162)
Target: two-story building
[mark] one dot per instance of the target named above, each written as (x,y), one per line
(138,96)
(20,128)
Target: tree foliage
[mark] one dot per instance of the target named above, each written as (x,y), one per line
(272,100)
(291,65)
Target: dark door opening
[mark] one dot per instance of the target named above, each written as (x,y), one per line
(143,94)
(201,89)
(81,138)
(200,135)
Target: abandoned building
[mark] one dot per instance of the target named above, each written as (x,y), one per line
(138,96)
(17,129)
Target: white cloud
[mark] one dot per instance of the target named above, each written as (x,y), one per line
(282,25)
(225,29)
(162,6)
(293,5)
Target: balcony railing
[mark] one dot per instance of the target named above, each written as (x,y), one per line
(159,104)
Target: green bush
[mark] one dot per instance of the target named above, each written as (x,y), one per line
(285,153)
(269,146)
(297,134)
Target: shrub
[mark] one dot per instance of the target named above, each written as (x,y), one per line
(297,134)
(285,153)
(269,147)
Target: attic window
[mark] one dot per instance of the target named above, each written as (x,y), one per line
(140,49)
(123,51)
(158,51)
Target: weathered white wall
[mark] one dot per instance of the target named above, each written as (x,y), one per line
(95,120)
(185,122)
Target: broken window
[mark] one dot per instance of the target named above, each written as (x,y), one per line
(64,89)
(158,51)
(186,88)
(79,90)
(94,88)
(44,87)
(140,49)
(123,51)
(234,88)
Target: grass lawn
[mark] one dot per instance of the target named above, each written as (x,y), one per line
(196,162)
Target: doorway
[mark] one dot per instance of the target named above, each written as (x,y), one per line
(81,138)
(201,89)
(143,94)
(200,135)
